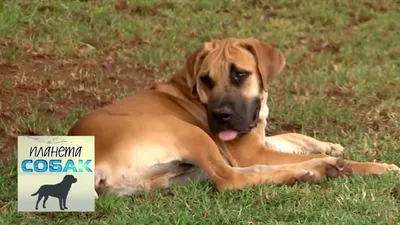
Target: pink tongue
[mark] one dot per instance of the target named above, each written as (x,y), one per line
(227,135)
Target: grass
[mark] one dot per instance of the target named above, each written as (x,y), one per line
(62,59)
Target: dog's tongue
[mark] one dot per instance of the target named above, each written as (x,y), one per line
(227,135)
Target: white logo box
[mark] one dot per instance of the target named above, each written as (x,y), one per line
(54,170)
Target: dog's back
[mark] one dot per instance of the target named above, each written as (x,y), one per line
(46,189)
(54,190)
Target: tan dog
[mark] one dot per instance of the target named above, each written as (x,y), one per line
(207,122)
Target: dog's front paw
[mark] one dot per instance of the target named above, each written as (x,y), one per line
(333,149)
(380,168)
(393,167)
(339,168)
(331,167)
(301,176)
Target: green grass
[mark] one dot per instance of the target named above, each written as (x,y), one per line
(61,59)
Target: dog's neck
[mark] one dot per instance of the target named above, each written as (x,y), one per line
(177,87)
(68,186)
(180,80)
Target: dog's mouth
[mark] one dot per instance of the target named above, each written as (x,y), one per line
(230,134)
(238,123)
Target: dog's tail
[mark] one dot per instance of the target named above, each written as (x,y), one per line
(35,193)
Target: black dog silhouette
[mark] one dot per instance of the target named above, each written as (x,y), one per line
(59,191)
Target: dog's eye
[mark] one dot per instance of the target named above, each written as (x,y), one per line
(207,81)
(239,76)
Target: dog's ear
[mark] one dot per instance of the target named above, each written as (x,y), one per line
(270,61)
(193,64)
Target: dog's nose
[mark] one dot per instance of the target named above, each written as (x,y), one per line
(223,113)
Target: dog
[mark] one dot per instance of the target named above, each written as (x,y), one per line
(59,191)
(207,123)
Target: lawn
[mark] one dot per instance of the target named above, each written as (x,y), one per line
(61,59)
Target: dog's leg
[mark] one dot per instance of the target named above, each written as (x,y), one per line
(201,150)
(45,200)
(65,202)
(319,163)
(38,200)
(358,168)
(298,143)
(317,168)
(60,203)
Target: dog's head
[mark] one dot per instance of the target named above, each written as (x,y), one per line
(70,179)
(229,77)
